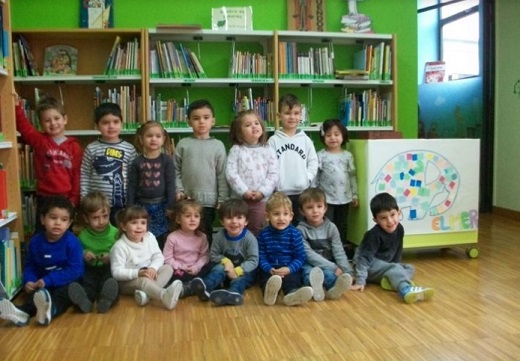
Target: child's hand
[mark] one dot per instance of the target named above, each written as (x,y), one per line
(88,256)
(105,258)
(357,287)
(232,274)
(228,267)
(151,273)
(258,196)
(355,203)
(191,270)
(249,195)
(178,272)
(282,271)
(180,196)
(30,287)
(338,272)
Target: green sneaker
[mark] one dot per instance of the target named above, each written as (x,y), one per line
(385,284)
(412,294)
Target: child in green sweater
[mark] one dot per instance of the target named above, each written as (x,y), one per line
(97,238)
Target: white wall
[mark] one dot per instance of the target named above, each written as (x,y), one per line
(506,192)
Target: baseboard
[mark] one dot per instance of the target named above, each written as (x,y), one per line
(509,213)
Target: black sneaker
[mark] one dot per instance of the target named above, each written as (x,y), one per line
(199,288)
(79,297)
(108,295)
(225,297)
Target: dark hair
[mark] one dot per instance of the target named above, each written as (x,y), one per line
(329,124)
(181,207)
(233,207)
(129,214)
(199,104)
(289,100)
(46,103)
(235,131)
(61,202)
(167,146)
(106,109)
(312,195)
(382,202)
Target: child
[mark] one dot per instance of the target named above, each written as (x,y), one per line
(106,160)
(138,264)
(252,167)
(235,252)
(53,261)
(295,151)
(57,157)
(200,164)
(327,264)
(186,249)
(97,238)
(151,178)
(378,257)
(281,255)
(337,175)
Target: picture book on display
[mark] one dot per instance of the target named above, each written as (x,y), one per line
(434,71)
(60,60)
(97,14)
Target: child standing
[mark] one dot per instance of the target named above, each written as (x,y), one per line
(106,160)
(97,238)
(378,257)
(138,264)
(57,157)
(53,261)
(295,151)
(186,249)
(252,167)
(235,252)
(327,264)
(281,255)
(151,178)
(200,164)
(337,175)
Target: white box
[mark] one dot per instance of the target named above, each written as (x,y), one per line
(232,18)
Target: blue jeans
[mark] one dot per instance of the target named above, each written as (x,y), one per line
(329,279)
(217,276)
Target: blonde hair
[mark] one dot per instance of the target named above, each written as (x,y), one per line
(167,145)
(129,214)
(236,128)
(278,200)
(183,206)
(93,202)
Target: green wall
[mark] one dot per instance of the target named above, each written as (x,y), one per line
(388,16)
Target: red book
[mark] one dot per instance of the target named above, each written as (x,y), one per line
(3,193)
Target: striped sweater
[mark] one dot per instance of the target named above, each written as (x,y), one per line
(281,249)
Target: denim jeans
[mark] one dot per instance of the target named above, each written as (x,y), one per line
(217,276)
(329,276)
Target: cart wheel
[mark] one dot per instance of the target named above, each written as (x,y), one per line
(472,252)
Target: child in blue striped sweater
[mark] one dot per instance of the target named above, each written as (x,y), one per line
(281,255)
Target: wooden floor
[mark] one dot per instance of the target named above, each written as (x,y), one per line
(474,315)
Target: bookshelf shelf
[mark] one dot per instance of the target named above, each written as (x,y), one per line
(78,79)
(10,218)
(6,145)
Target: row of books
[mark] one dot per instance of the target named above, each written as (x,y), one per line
(127,97)
(168,60)
(170,111)
(365,108)
(10,281)
(376,60)
(124,59)
(250,65)
(265,108)
(25,157)
(312,63)
(29,213)
(23,59)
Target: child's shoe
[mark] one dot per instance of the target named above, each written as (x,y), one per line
(199,288)
(108,295)
(301,295)
(171,295)
(342,285)
(42,301)
(272,287)
(316,278)
(225,297)
(141,298)
(385,284)
(79,297)
(9,312)
(412,294)
(186,290)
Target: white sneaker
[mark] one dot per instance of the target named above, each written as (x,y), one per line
(42,301)
(316,278)
(272,287)
(298,297)
(9,312)
(342,285)
(141,298)
(171,295)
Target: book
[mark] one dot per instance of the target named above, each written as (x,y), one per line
(96,14)
(434,71)
(60,60)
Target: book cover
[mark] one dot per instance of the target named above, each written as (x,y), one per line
(96,14)
(434,71)
(60,60)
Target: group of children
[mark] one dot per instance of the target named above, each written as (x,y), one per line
(276,228)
